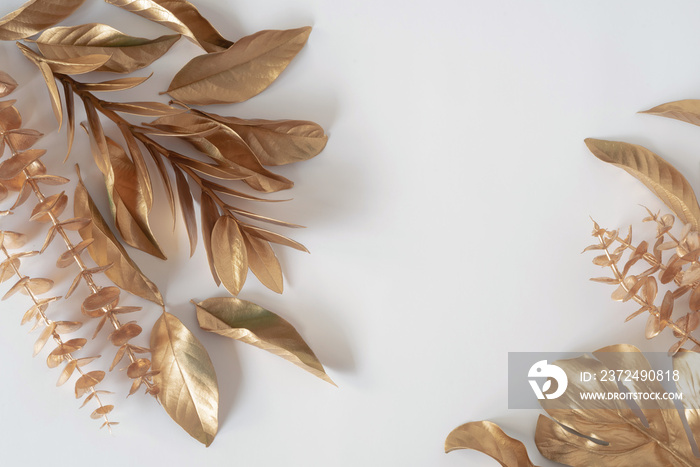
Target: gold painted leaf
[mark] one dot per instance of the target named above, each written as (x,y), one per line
(87,382)
(240,72)
(12,167)
(180,16)
(209,214)
(103,298)
(229,252)
(622,437)
(263,262)
(67,66)
(187,207)
(278,142)
(10,119)
(254,325)
(125,333)
(189,390)
(107,250)
(7,84)
(120,84)
(12,240)
(658,175)
(273,237)
(125,53)
(130,203)
(23,138)
(34,16)
(146,109)
(67,372)
(487,437)
(687,110)
(54,204)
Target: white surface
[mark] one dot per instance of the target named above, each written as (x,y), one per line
(445,218)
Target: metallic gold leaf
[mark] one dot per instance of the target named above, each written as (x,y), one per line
(488,438)
(188,387)
(106,250)
(278,142)
(120,84)
(263,262)
(138,368)
(10,119)
(657,174)
(7,84)
(687,110)
(88,381)
(68,257)
(70,113)
(621,437)
(146,109)
(125,333)
(210,214)
(180,16)
(12,240)
(68,66)
(53,205)
(272,237)
(165,179)
(22,138)
(12,167)
(254,325)
(34,16)
(240,72)
(103,298)
(237,194)
(131,206)
(229,252)
(126,54)
(67,372)
(187,207)
(44,338)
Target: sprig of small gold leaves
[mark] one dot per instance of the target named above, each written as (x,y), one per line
(227,149)
(616,435)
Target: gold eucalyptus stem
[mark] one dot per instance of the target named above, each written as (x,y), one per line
(87,276)
(56,336)
(653,309)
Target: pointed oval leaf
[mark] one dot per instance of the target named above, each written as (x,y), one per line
(187,207)
(125,53)
(254,325)
(180,16)
(120,84)
(106,250)
(12,167)
(35,16)
(687,110)
(263,262)
(209,214)
(188,387)
(658,175)
(240,72)
(22,138)
(488,438)
(230,256)
(7,84)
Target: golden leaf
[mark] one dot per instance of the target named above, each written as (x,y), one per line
(14,166)
(126,54)
(69,66)
(10,119)
(180,16)
(130,204)
(67,372)
(254,325)
(105,297)
(125,333)
(120,84)
(147,109)
(687,110)
(106,250)
(229,252)
(210,214)
(273,237)
(7,84)
(263,262)
(622,438)
(34,16)
(488,438)
(49,79)
(657,174)
(240,72)
(88,381)
(189,390)
(278,142)
(22,139)
(187,207)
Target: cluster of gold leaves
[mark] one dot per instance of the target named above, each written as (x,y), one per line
(228,150)
(612,433)
(616,435)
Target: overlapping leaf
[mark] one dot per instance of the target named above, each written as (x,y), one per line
(241,72)
(658,175)
(34,16)
(487,437)
(126,53)
(180,16)
(106,250)
(229,252)
(187,380)
(254,325)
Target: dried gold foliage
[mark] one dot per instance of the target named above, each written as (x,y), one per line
(187,380)
(230,254)
(254,325)
(487,437)
(34,16)
(106,250)
(657,174)
(125,54)
(7,84)
(180,16)
(240,72)
(687,110)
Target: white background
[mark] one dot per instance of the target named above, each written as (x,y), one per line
(445,218)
